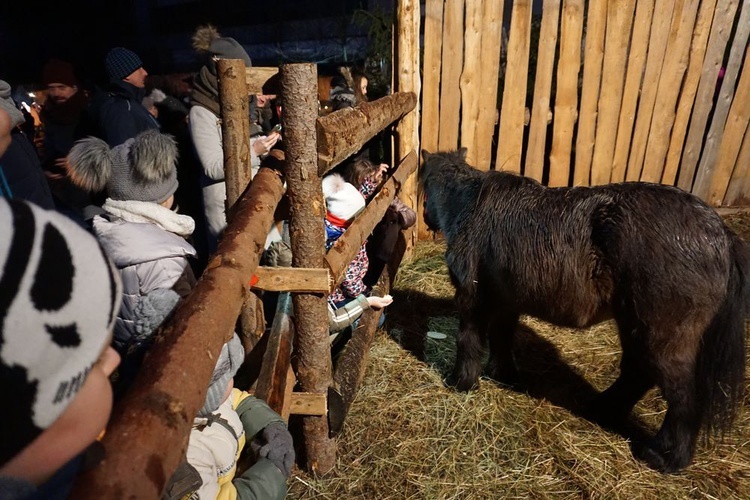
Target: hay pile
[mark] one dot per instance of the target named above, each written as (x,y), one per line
(408,437)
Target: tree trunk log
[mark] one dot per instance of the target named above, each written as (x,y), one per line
(313,356)
(344,132)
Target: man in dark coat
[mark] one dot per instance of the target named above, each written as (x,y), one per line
(119,113)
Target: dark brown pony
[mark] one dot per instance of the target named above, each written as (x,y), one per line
(656,259)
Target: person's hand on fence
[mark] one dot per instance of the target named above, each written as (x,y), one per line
(277,446)
(379,302)
(377,176)
(263,145)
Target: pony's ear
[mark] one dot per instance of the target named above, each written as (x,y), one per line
(425,155)
(462,152)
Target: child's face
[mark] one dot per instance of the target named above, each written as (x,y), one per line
(78,426)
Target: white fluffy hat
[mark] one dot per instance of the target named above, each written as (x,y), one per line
(343,200)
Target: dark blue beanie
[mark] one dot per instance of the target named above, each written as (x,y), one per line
(120,62)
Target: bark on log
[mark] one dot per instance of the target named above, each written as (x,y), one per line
(351,364)
(347,246)
(344,132)
(313,356)
(171,385)
(235,126)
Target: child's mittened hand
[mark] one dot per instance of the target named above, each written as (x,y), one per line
(279,447)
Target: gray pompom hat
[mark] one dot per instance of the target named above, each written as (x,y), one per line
(141,169)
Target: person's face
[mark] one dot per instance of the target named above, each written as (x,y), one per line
(264,99)
(363,86)
(82,422)
(137,78)
(59,92)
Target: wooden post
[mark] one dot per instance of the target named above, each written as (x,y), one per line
(313,355)
(407,129)
(235,126)
(235,133)
(351,364)
(172,382)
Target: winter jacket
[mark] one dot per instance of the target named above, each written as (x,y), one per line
(205,131)
(141,238)
(119,114)
(215,446)
(23,172)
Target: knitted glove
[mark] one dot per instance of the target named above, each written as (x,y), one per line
(275,443)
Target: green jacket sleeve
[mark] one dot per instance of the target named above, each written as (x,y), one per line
(255,414)
(262,481)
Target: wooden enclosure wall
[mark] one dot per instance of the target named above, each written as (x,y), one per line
(593,92)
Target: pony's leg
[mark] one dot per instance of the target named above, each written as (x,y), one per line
(673,446)
(501,334)
(469,349)
(636,376)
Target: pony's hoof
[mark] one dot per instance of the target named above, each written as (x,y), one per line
(461,385)
(657,459)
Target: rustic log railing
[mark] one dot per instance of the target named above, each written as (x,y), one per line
(172,383)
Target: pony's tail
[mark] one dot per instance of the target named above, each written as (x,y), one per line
(720,375)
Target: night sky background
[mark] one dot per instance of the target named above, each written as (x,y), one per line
(82,31)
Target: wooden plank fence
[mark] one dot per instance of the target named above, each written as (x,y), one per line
(615,90)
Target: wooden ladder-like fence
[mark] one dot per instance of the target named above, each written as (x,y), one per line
(148,433)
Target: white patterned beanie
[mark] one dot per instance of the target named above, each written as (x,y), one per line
(59,297)
(343,200)
(230,358)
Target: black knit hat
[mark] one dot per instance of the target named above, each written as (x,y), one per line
(121,62)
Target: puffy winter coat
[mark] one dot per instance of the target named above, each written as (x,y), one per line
(148,258)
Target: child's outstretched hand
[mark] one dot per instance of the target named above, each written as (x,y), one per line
(379,302)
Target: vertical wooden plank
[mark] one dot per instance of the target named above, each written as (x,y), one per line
(540,111)
(433,45)
(312,352)
(453,58)
(736,126)
(738,192)
(510,135)
(656,47)
(469,81)
(433,48)
(619,21)
(688,90)
(717,42)
(723,102)
(672,73)
(407,129)
(566,93)
(644,11)
(592,75)
(492,23)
